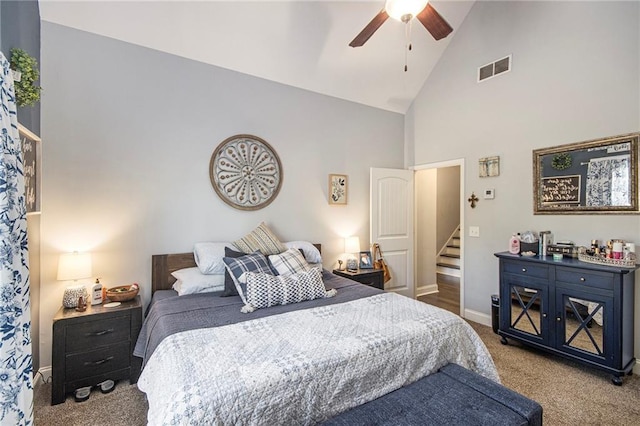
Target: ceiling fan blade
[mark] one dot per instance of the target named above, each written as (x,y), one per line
(371,28)
(434,23)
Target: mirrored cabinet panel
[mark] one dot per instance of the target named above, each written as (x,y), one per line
(583,325)
(526,304)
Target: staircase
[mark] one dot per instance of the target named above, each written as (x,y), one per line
(448,262)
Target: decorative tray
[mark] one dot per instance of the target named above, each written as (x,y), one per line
(599,260)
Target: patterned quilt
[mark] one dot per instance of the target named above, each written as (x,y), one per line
(303,367)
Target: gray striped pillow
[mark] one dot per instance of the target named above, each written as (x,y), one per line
(260,239)
(289,262)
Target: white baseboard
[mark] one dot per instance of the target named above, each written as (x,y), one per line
(426,289)
(45,375)
(479,317)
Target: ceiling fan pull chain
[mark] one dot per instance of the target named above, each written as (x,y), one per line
(407,35)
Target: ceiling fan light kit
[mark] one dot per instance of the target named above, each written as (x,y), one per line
(404,10)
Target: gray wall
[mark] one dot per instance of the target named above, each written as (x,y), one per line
(20,27)
(129,133)
(574,78)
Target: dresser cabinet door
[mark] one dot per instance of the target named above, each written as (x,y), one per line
(524,308)
(584,322)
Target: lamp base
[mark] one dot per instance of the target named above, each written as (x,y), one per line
(72,294)
(352,265)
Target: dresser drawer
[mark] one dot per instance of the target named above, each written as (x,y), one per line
(99,361)
(603,280)
(527,269)
(102,332)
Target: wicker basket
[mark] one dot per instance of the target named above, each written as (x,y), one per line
(121,293)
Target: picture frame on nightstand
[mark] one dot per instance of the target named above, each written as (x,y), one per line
(366,261)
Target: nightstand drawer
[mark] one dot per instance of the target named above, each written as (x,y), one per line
(97,362)
(92,334)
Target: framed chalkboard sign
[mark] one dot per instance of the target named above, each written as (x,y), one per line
(592,177)
(31,151)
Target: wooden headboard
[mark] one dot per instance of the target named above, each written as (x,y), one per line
(162,265)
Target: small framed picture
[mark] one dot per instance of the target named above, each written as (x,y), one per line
(338,189)
(489,166)
(365,260)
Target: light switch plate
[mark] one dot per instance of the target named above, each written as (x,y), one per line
(489,194)
(474,231)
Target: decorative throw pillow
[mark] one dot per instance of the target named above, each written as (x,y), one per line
(239,266)
(263,290)
(229,284)
(260,239)
(311,252)
(193,281)
(208,256)
(289,262)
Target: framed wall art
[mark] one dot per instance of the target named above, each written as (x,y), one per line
(592,177)
(338,189)
(31,152)
(489,166)
(245,172)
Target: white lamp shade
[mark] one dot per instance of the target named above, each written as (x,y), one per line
(399,8)
(351,245)
(74,266)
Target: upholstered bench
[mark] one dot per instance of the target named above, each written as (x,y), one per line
(452,396)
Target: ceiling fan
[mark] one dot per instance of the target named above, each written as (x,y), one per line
(405,11)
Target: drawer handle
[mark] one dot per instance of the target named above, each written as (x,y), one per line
(524,269)
(101,333)
(583,279)
(99,362)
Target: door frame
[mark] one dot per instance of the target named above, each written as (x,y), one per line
(440,164)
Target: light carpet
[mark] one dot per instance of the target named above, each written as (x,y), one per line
(569,393)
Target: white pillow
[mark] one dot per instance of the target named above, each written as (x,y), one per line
(289,262)
(208,256)
(191,280)
(311,253)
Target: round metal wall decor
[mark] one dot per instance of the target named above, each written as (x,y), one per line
(245,172)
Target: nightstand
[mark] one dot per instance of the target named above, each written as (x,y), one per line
(372,277)
(93,346)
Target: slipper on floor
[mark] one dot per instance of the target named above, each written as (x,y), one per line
(82,394)
(106,386)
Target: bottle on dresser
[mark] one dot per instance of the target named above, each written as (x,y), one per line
(546,238)
(514,244)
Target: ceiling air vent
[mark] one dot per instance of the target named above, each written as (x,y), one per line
(494,68)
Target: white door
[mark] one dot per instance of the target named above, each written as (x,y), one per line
(391,220)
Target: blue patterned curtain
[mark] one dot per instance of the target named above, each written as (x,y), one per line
(16,375)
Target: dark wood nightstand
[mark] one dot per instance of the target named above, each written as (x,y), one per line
(93,346)
(372,277)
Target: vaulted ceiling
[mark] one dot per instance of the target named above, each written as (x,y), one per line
(295,42)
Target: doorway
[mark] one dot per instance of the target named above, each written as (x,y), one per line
(439,225)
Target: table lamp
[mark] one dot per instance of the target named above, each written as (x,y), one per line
(351,247)
(73,267)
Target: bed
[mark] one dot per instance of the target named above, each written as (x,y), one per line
(206,362)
